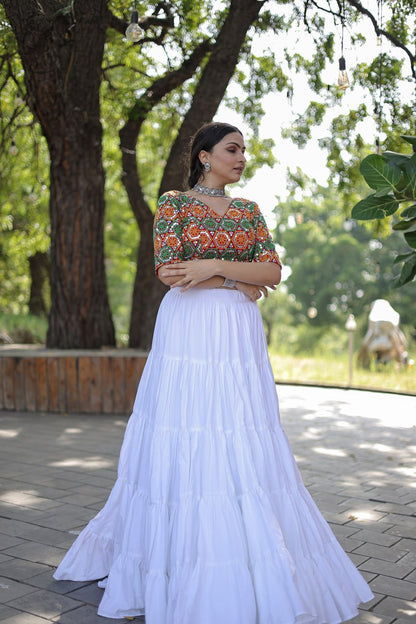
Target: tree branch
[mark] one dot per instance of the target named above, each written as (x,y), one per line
(379,31)
(130,131)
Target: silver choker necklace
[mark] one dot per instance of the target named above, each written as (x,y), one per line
(205,190)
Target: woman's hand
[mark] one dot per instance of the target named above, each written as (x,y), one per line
(252,291)
(189,273)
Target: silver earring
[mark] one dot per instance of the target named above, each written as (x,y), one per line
(207,167)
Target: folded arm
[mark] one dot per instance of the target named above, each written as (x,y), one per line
(190,273)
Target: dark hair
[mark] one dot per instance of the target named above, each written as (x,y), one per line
(205,139)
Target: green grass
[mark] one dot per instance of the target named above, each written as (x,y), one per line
(24,328)
(335,371)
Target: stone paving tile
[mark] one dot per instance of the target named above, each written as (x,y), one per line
(88,615)
(20,570)
(83,500)
(67,517)
(381,552)
(405,609)
(350,545)
(16,512)
(43,535)
(7,612)
(90,594)
(37,553)
(19,617)
(386,567)
(44,604)
(7,541)
(374,537)
(411,577)
(27,499)
(394,587)
(371,618)
(10,589)
(46,581)
(36,489)
(408,532)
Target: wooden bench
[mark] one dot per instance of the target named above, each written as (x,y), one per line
(36,379)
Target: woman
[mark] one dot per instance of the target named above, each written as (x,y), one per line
(209,520)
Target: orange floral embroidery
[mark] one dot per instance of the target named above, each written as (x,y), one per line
(168,211)
(233,213)
(193,231)
(204,239)
(240,240)
(172,241)
(222,240)
(198,211)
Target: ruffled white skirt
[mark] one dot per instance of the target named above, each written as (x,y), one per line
(209,520)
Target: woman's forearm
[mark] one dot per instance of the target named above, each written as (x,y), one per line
(261,273)
(212,282)
(189,273)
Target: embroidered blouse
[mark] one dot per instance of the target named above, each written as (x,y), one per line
(186,228)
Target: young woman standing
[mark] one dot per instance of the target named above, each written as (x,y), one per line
(209,520)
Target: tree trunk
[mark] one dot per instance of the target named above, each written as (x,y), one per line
(39,268)
(61,48)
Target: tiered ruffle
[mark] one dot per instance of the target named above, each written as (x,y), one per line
(209,520)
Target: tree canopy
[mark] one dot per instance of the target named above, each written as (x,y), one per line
(67,75)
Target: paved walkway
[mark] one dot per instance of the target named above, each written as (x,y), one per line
(356,451)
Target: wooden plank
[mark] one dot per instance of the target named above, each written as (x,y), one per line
(30,384)
(71,383)
(62,392)
(95,385)
(119,385)
(53,384)
(42,403)
(2,405)
(19,390)
(107,385)
(132,378)
(9,370)
(84,382)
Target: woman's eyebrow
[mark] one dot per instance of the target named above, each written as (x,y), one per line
(236,144)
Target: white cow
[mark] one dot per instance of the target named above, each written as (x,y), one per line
(384,341)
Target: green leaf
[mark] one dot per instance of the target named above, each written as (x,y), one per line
(395,158)
(409,139)
(403,256)
(385,190)
(409,212)
(411,238)
(378,173)
(405,224)
(373,207)
(408,271)
(410,169)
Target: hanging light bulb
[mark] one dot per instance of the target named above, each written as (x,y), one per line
(13,149)
(134,32)
(343,82)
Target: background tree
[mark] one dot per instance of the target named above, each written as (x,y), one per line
(338,266)
(61,48)
(161,90)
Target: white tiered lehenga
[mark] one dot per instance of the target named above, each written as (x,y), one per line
(209,521)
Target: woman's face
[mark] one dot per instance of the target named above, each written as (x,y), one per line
(227,160)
